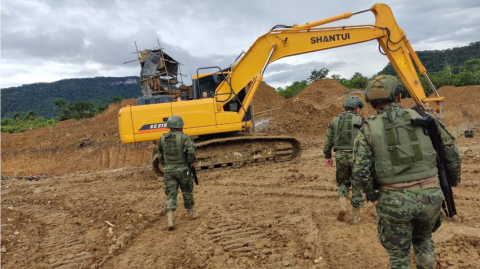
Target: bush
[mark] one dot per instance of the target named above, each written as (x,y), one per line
(293,89)
(7,121)
(29,123)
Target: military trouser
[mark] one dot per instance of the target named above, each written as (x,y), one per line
(172,180)
(407,217)
(344,162)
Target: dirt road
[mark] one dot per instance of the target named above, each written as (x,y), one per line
(100,205)
(279,215)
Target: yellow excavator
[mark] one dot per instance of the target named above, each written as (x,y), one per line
(220,108)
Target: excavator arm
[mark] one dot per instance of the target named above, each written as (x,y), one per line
(211,115)
(309,37)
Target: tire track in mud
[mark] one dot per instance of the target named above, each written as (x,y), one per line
(242,241)
(63,245)
(233,236)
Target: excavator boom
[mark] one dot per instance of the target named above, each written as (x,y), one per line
(300,39)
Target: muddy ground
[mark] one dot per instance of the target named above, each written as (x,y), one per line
(266,216)
(102,207)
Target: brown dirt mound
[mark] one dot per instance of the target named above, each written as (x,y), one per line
(319,90)
(267,98)
(300,118)
(309,112)
(458,95)
(461,108)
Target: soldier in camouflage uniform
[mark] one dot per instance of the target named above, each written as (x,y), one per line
(176,152)
(398,156)
(340,136)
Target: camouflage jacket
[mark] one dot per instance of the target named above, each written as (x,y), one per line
(363,166)
(329,142)
(189,147)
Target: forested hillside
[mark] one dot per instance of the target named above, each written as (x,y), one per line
(438,60)
(40,97)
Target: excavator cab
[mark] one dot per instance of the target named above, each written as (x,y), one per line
(204,86)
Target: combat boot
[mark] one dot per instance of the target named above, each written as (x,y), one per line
(170,220)
(356,215)
(191,215)
(343,209)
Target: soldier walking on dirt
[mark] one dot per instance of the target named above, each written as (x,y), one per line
(398,156)
(340,135)
(176,153)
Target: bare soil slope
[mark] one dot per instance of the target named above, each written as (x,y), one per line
(70,146)
(267,98)
(462,106)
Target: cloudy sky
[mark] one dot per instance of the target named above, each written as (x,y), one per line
(49,40)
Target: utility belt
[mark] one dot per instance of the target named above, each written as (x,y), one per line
(343,150)
(427,183)
(182,163)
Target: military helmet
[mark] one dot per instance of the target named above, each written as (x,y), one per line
(382,88)
(352,102)
(175,122)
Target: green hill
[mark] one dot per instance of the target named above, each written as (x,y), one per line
(437,60)
(40,97)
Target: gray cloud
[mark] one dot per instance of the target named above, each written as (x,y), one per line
(94,38)
(285,73)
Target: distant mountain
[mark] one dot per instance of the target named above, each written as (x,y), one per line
(436,60)
(40,97)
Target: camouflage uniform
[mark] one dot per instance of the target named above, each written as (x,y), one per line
(176,173)
(343,159)
(404,216)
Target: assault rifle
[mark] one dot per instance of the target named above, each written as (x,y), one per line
(430,128)
(192,170)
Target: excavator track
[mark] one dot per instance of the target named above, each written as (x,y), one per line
(240,151)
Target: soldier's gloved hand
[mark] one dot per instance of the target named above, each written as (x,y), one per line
(329,162)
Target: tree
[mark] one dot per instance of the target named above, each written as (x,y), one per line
(358,81)
(117,99)
(345,82)
(473,65)
(60,103)
(7,121)
(77,111)
(30,115)
(318,74)
(464,78)
(16,116)
(293,89)
(101,108)
(444,77)
(336,76)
